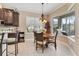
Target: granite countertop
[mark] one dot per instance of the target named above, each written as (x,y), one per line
(8,29)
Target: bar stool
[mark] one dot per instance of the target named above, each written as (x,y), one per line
(14,38)
(1,44)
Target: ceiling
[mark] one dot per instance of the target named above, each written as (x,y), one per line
(34,7)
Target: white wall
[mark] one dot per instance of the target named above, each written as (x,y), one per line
(63,10)
(76,46)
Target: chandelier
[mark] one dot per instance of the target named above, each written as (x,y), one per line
(43,20)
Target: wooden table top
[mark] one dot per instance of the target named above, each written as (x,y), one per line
(48,35)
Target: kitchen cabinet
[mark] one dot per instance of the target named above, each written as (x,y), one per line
(16,19)
(10,17)
(1,14)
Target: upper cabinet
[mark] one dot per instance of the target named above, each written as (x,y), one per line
(16,18)
(10,17)
(1,14)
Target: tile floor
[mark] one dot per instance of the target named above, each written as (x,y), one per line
(27,48)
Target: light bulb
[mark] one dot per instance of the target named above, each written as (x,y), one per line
(45,21)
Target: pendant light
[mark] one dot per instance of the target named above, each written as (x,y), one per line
(43,20)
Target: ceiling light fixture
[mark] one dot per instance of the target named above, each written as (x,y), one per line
(42,15)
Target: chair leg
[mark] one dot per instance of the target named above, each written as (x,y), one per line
(7,49)
(34,40)
(46,45)
(16,49)
(42,48)
(55,46)
(1,50)
(36,46)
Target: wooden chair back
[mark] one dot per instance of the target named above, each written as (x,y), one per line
(38,36)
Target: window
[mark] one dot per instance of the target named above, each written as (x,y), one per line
(66,23)
(31,22)
(55,24)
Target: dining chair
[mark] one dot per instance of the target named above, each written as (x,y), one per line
(40,41)
(55,43)
(53,40)
(34,37)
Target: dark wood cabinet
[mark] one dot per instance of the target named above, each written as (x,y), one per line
(16,18)
(1,14)
(10,17)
